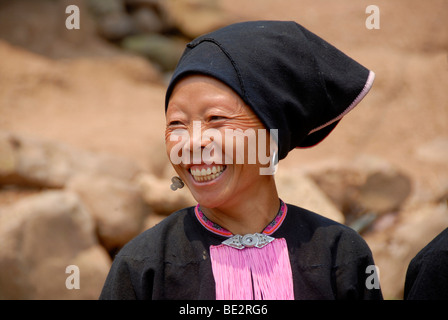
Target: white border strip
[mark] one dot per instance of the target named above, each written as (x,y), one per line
(358,99)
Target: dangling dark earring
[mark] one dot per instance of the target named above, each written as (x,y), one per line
(274,161)
(177,183)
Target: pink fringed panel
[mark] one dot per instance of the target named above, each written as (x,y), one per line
(252,273)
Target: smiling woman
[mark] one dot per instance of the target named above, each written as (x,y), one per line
(203,100)
(230,88)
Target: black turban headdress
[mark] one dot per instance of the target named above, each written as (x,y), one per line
(292,79)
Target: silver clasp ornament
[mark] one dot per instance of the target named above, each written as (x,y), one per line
(257,240)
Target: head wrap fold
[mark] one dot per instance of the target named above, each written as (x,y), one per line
(292,79)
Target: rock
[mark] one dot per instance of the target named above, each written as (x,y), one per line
(341,185)
(298,189)
(41,29)
(384,192)
(39,237)
(103,8)
(157,193)
(153,220)
(196,17)
(93,265)
(116,26)
(162,50)
(30,162)
(8,157)
(143,3)
(116,205)
(364,189)
(435,151)
(48,164)
(394,247)
(147,20)
(135,69)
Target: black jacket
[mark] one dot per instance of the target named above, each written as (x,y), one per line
(427,275)
(171,260)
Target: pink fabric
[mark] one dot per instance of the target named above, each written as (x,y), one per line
(252,273)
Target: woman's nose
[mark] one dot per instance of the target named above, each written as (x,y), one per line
(196,141)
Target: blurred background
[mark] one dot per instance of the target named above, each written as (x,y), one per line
(83,167)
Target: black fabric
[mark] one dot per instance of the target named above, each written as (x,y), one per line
(293,80)
(427,274)
(171,260)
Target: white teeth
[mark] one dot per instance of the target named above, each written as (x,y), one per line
(207,174)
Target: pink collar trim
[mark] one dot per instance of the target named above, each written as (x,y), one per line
(217,229)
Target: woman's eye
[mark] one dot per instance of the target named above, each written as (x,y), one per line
(216,118)
(175,123)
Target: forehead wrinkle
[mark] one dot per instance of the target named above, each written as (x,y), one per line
(212,94)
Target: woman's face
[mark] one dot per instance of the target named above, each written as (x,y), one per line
(218,168)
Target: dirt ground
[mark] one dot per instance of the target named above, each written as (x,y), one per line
(74,87)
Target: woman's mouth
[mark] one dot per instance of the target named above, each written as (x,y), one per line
(208,173)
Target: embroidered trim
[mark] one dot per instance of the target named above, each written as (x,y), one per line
(217,229)
(210,225)
(278,220)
